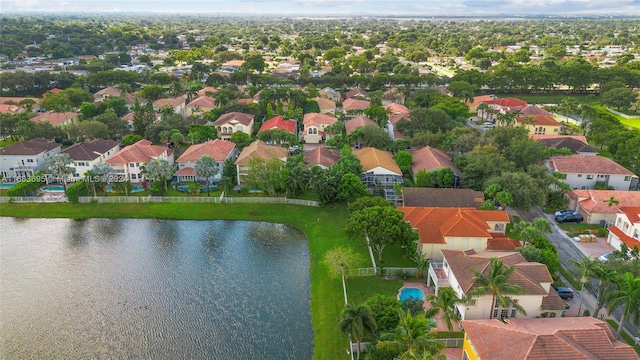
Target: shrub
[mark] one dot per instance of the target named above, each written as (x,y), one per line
(27,186)
(73,191)
(602,232)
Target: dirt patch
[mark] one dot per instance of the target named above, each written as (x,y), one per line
(253,213)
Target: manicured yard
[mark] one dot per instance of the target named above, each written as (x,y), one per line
(395,256)
(323,228)
(361,288)
(573,226)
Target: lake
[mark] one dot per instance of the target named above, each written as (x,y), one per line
(153,289)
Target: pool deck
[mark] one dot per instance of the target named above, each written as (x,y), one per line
(440,324)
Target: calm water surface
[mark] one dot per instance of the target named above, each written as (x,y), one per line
(153,289)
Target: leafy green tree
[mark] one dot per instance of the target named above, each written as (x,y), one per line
(445,302)
(158,170)
(404,159)
(267,176)
(384,309)
(496,283)
(131,139)
(88,110)
(413,336)
(339,260)
(351,188)
(116,127)
(365,202)
(87,130)
(58,167)
(627,295)
(481,164)
(298,178)
(524,189)
(620,98)
(206,167)
(357,322)
(241,139)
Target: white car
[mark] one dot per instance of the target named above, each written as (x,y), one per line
(489,125)
(605,257)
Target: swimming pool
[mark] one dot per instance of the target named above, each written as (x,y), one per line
(134,188)
(53,188)
(408,292)
(6,186)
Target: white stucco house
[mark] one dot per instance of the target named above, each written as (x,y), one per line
(626,228)
(86,155)
(218,150)
(22,159)
(584,171)
(130,161)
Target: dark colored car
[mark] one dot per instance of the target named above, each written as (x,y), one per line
(563,212)
(571,217)
(564,292)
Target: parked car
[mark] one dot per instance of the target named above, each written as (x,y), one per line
(563,212)
(489,124)
(564,292)
(571,217)
(294,149)
(605,257)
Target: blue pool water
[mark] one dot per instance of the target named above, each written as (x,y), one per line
(411,292)
(6,186)
(185,188)
(134,188)
(53,188)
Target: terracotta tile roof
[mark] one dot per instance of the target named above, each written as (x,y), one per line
(216,149)
(325,103)
(434,197)
(397,112)
(358,122)
(477,100)
(436,224)
(575,145)
(187,171)
(498,242)
(597,201)
(533,110)
(632,212)
(371,158)
(173,102)
(234,117)
(355,104)
(553,301)
(315,119)
(258,149)
(5,99)
(204,102)
(9,109)
(55,118)
(540,120)
(278,122)
(90,150)
(110,91)
(587,164)
(508,102)
(322,156)
(208,89)
(356,92)
(526,275)
(546,338)
(430,159)
(142,151)
(234,63)
(628,240)
(29,147)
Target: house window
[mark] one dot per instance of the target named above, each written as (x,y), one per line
(132,164)
(134,176)
(29,160)
(625,226)
(312,131)
(627,178)
(579,175)
(618,222)
(499,227)
(589,177)
(636,234)
(584,187)
(472,302)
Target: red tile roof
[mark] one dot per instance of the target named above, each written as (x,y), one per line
(587,164)
(278,123)
(322,156)
(532,110)
(9,109)
(325,103)
(477,100)
(358,122)
(315,119)
(507,102)
(397,112)
(355,104)
(216,149)
(430,159)
(187,171)
(628,240)
(242,118)
(545,137)
(142,151)
(546,338)
(55,118)
(204,102)
(208,89)
(597,201)
(355,92)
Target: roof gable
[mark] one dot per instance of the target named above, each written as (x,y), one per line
(278,123)
(371,158)
(217,149)
(259,149)
(29,147)
(90,150)
(234,118)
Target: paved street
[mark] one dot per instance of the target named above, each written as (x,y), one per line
(567,250)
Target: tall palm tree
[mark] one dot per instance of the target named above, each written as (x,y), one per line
(158,170)
(605,275)
(627,295)
(412,336)
(444,302)
(483,107)
(586,266)
(206,167)
(357,322)
(102,174)
(496,283)
(58,166)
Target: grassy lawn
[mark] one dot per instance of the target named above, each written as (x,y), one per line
(395,256)
(361,288)
(323,228)
(573,226)
(546,98)
(633,123)
(570,278)
(625,335)
(6,142)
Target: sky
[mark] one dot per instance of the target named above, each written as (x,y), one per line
(335,7)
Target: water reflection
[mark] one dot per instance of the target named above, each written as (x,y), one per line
(153,289)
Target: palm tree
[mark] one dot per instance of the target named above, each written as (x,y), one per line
(58,166)
(89,177)
(444,302)
(585,265)
(297,180)
(483,107)
(357,322)
(496,282)
(627,295)
(605,275)
(412,336)
(611,201)
(158,170)
(222,99)
(102,173)
(422,263)
(206,167)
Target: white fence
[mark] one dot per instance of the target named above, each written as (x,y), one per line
(32,199)
(382,271)
(194,199)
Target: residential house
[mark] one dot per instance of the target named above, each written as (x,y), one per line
(16,101)
(314,127)
(477,100)
(207,91)
(321,156)
(56,118)
(539,124)
(506,104)
(393,95)
(431,159)
(130,161)
(279,123)
(531,110)
(626,228)
(129,120)
(358,122)
(200,105)
(231,122)
(528,339)
(86,155)
(20,160)
(458,228)
(10,109)
(106,93)
(583,171)
(538,298)
(441,197)
(331,94)
(327,106)
(601,206)
(218,150)
(258,150)
(356,93)
(396,112)
(577,144)
(353,107)
(177,104)
(379,168)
